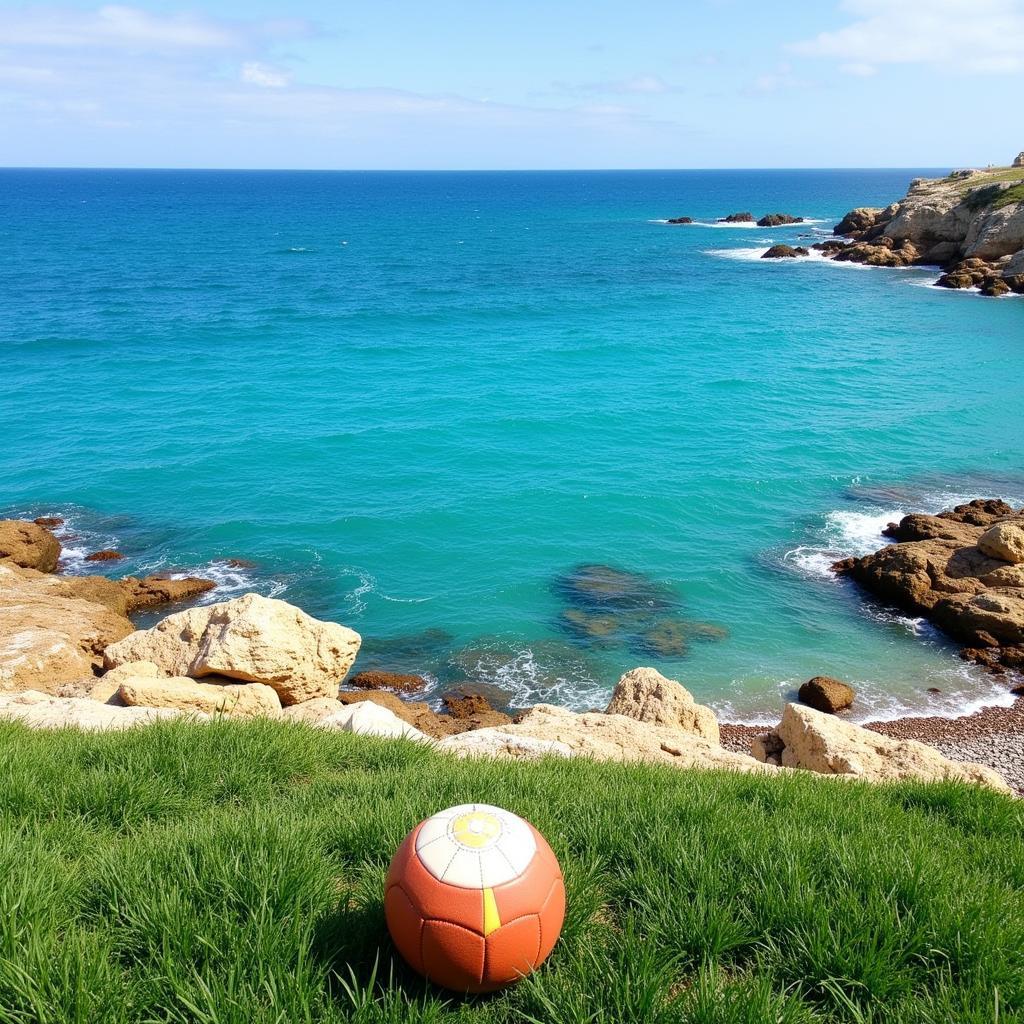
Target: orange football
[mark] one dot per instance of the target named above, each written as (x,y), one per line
(474,898)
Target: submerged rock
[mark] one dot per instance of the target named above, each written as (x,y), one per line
(49,522)
(607,587)
(822,743)
(28,545)
(252,639)
(152,591)
(375,680)
(106,555)
(826,694)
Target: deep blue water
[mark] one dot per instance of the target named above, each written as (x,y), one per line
(417,401)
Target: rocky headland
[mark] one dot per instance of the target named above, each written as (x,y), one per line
(70,656)
(970,224)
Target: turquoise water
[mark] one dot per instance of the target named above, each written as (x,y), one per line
(415,401)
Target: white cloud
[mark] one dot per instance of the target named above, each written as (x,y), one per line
(973,36)
(255,73)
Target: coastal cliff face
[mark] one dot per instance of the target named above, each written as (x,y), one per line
(970,223)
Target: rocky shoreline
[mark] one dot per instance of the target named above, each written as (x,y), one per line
(70,656)
(969,224)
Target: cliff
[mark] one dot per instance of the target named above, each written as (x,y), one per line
(970,223)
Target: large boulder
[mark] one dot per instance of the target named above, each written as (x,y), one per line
(827,694)
(48,638)
(240,700)
(618,738)
(1004,541)
(857,221)
(254,639)
(28,545)
(780,252)
(819,742)
(43,711)
(646,695)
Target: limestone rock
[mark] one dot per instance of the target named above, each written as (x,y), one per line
(312,711)
(106,688)
(240,700)
(106,555)
(496,742)
(47,638)
(646,695)
(827,694)
(618,738)
(151,591)
(253,639)
(821,743)
(1004,541)
(856,222)
(369,719)
(28,545)
(43,711)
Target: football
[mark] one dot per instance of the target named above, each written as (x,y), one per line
(474,898)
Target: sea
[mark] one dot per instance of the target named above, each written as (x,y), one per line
(514,428)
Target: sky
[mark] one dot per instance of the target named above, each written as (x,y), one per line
(530,84)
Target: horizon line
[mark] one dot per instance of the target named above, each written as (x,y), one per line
(460,170)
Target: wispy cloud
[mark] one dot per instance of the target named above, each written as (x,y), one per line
(266,76)
(971,36)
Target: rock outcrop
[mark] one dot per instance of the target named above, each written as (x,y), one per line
(44,711)
(49,636)
(610,737)
(939,570)
(680,220)
(28,545)
(818,742)
(212,696)
(646,695)
(106,555)
(823,693)
(774,220)
(970,223)
(737,218)
(369,719)
(251,639)
(778,252)
(1004,541)
(152,591)
(502,744)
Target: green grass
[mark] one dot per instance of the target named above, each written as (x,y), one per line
(232,874)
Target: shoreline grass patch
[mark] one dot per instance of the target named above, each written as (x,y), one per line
(232,872)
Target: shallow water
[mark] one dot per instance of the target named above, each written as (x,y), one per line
(417,400)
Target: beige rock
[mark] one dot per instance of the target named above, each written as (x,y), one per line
(46,638)
(618,738)
(1004,541)
(495,742)
(822,743)
(369,719)
(647,696)
(43,711)
(253,639)
(28,545)
(240,700)
(312,711)
(105,689)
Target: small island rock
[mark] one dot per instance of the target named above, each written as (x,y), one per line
(823,693)
(774,220)
(778,252)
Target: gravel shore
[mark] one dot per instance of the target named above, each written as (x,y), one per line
(992,736)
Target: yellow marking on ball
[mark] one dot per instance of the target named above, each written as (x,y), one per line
(492,920)
(476,829)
